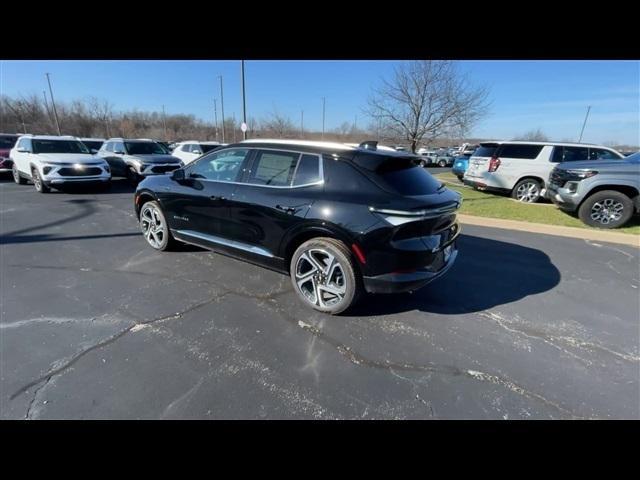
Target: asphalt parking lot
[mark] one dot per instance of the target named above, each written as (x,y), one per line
(96,324)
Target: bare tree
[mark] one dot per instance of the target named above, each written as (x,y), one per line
(278,125)
(427,99)
(536,135)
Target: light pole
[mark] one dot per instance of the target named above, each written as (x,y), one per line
(222,107)
(244,106)
(323,103)
(585,123)
(215,116)
(164,123)
(53,102)
(46,105)
(301,123)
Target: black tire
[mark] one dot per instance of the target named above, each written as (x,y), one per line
(133,177)
(16,175)
(460,177)
(442,163)
(105,186)
(347,278)
(38,182)
(606,209)
(527,190)
(166,242)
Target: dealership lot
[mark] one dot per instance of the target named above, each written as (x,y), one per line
(96,324)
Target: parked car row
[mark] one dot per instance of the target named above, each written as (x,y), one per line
(564,173)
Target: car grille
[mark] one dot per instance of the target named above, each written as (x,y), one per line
(79,172)
(164,168)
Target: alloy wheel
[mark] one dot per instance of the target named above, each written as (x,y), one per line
(607,211)
(528,192)
(320,278)
(152,225)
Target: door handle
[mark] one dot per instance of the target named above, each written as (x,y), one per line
(215,197)
(286,209)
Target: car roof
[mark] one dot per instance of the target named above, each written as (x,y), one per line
(120,139)
(49,137)
(525,142)
(202,143)
(321,145)
(92,139)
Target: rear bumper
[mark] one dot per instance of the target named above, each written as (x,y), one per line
(408,282)
(482,184)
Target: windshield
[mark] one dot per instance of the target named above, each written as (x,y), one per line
(145,148)
(95,144)
(58,146)
(7,142)
(208,148)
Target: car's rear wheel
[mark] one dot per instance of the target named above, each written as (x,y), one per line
(460,177)
(154,227)
(442,163)
(606,209)
(38,182)
(16,175)
(324,276)
(527,190)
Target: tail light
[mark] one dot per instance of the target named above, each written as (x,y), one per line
(494,163)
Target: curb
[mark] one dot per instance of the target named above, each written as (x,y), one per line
(570,232)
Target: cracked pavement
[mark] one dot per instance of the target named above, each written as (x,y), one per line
(95,324)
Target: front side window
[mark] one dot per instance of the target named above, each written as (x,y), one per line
(144,148)
(570,154)
(224,166)
(274,168)
(602,154)
(59,146)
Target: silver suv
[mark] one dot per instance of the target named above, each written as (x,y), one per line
(605,193)
(138,158)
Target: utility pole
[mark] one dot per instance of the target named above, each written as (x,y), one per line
(234,127)
(53,102)
(164,123)
(323,102)
(215,116)
(244,105)
(301,123)
(222,107)
(585,123)
(46,104)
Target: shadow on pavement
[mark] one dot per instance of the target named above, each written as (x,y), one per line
(487,273)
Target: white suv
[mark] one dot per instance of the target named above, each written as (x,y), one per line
(522,168)
(50,161)
(190,150)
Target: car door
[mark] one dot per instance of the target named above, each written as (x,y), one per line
(198,206)
(274,197)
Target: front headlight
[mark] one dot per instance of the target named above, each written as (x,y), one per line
(581,174)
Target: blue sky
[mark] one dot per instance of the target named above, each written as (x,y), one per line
(525,95)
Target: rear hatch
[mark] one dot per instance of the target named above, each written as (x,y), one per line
(479,160)
(418,205)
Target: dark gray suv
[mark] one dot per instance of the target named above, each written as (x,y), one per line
(605,193)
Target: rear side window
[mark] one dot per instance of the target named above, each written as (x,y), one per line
(570,154)
(485,150)
(401,175)
(307,171)
(528,152)
(274,168)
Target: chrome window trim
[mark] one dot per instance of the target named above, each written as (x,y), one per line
(320,160)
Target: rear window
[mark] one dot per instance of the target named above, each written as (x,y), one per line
(402,175)
(528,152)
(486,150)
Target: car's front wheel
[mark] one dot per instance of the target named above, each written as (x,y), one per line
(154,226)
(442,163)
(133,177)
(38,182)
(606,209)
(324,276)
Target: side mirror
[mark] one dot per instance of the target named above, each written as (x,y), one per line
(178,175)
(23,150)
(118,152)
(94,151)
(197,152)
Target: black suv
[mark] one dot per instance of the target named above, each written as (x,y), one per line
(338,219)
